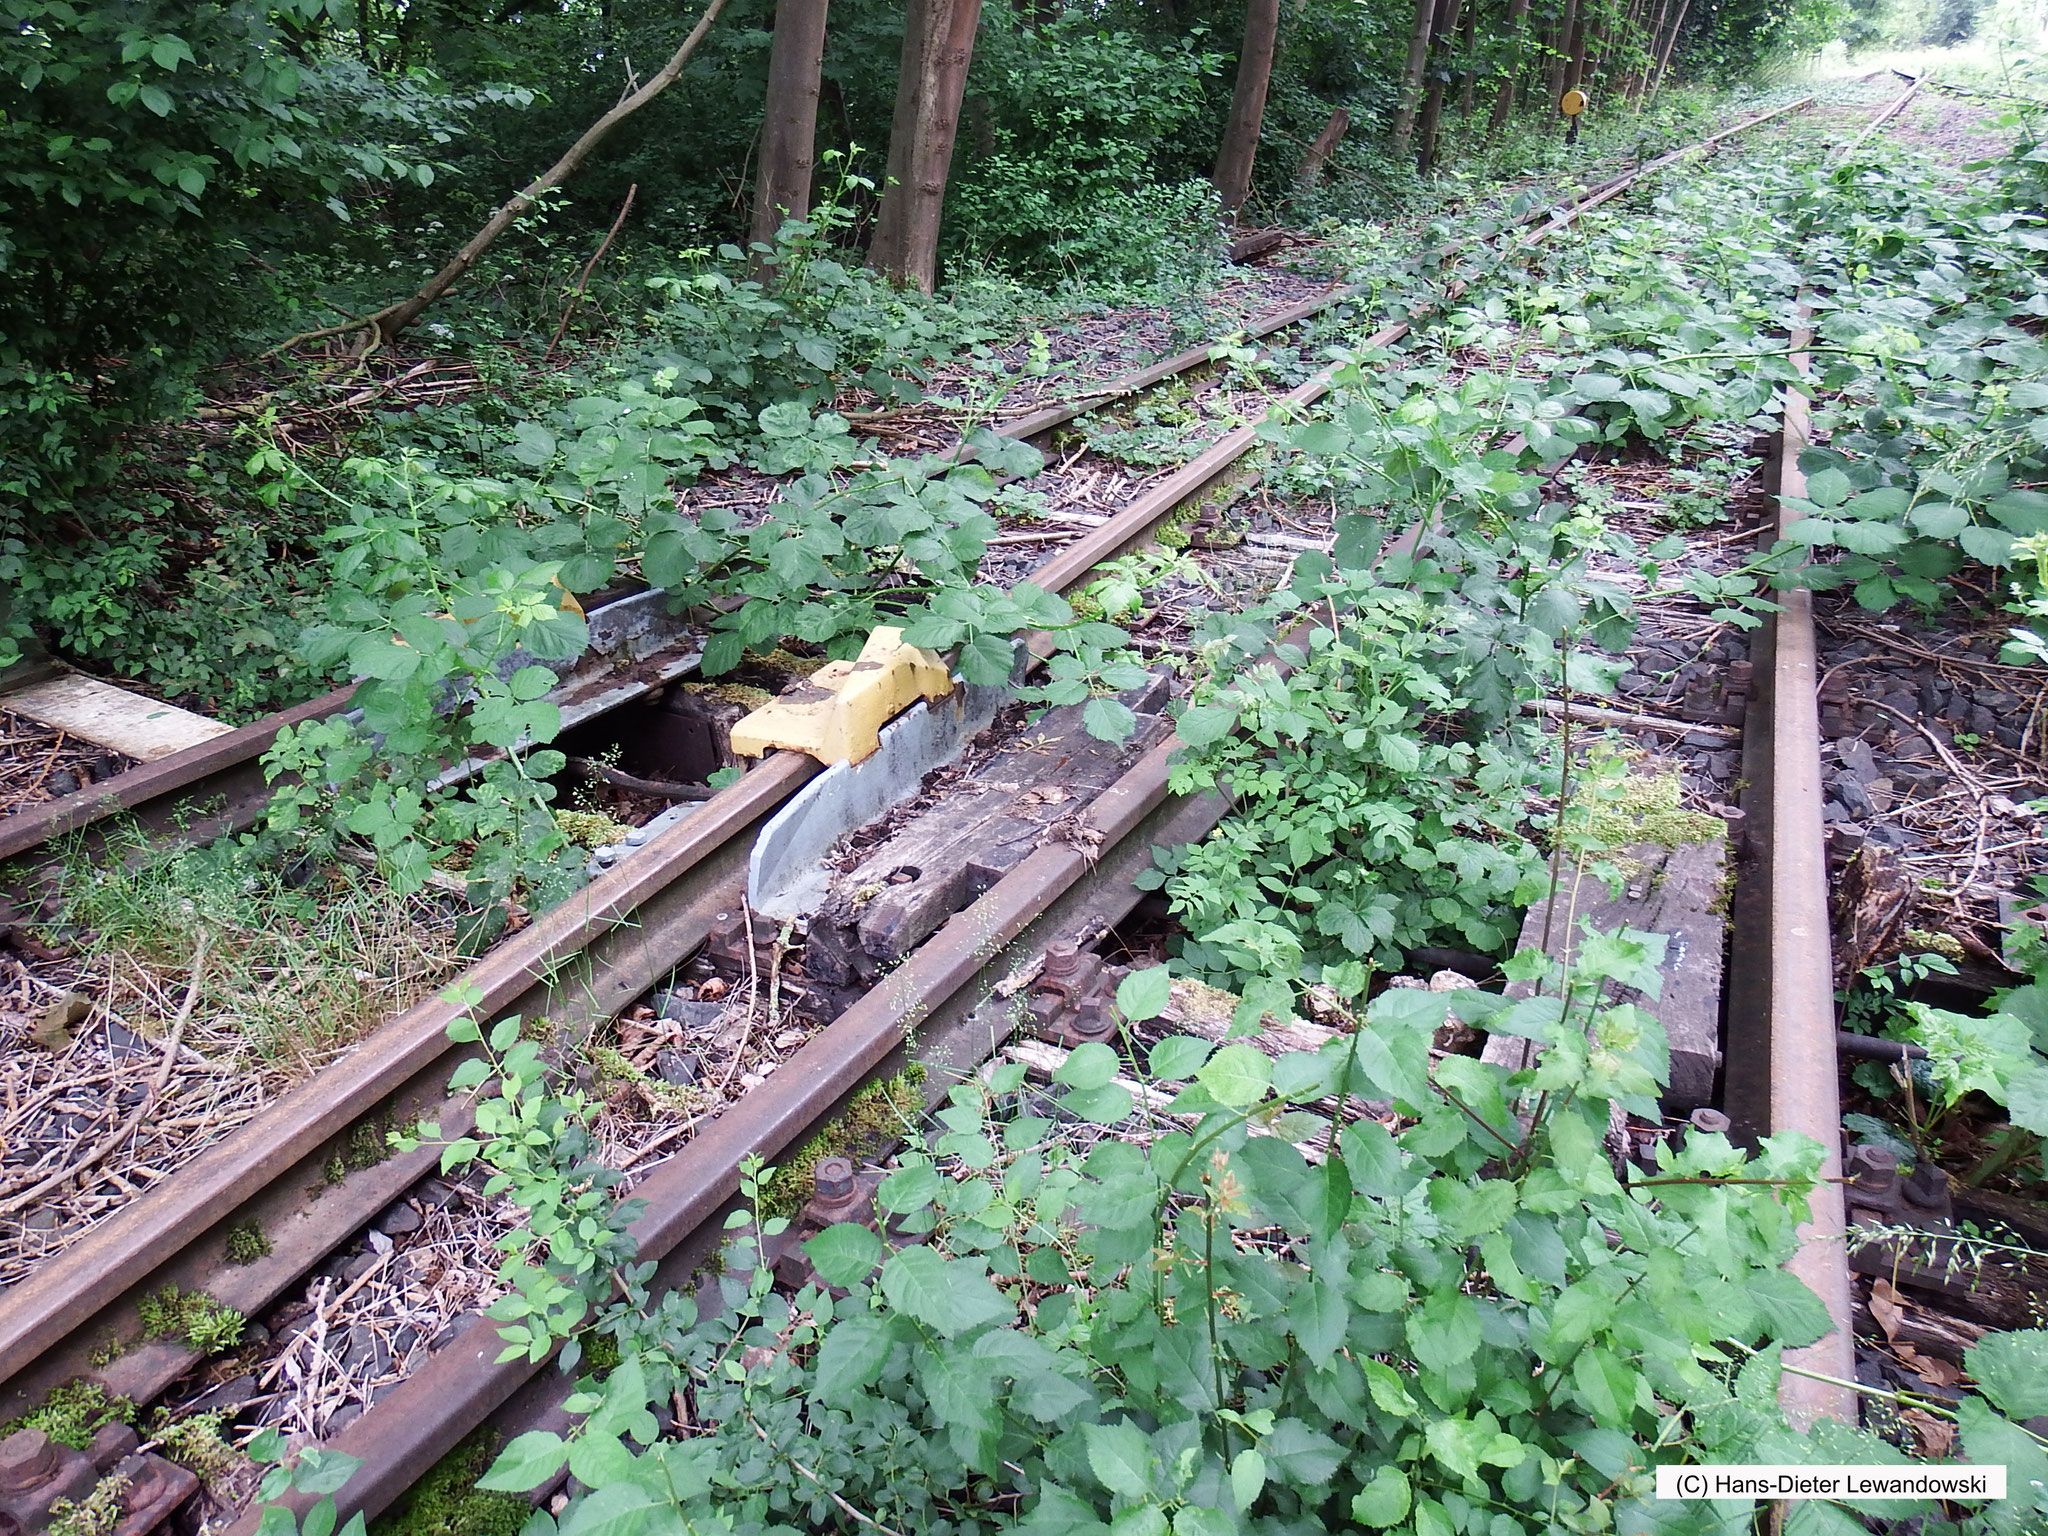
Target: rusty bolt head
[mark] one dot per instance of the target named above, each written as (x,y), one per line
(26,1458)
(1873,1168)
(834,1177)
(1093,1024)
(1710,1122)
(1062,959)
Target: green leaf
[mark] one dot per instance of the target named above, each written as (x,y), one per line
(530,683)
(1445,1332)
(1201,725)
(1796,1316)
(1144,994)
(852,1355)
(1177,1057)
(2023,512)
(908,1189)
(158,100)
(1990,546)
(1303,1456)
(1237,1076)
(1940,519)
(1318,1319)
(1384,1501)
(1103,1105)
(324,1471)
(1829,488)
(1120,1456)
(1087,1066)
(622,1509)
(1108,719)
(598,1460)
(987,660)
(2012,1368)
(1247,1477)
(949,1295)
(2026,1098)
(845,1254)
(1400,753)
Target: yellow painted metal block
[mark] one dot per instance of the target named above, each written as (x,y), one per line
(837,717)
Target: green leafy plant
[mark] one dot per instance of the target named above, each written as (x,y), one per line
(1362,825)
(1248,1305)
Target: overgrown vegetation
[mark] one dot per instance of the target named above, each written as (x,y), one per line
(1463,1318)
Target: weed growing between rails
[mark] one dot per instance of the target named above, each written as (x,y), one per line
(1269,1300)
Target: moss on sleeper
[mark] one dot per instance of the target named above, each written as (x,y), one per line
(447,1502)
(74,1412)
(874,1118)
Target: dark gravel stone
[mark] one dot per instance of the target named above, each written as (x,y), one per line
(1849,791)
(343,1416)
(1855,755)
(677,1068)
(63,782)
(1998,700)
(399,1220)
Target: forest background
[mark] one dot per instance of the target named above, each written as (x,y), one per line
(186,186)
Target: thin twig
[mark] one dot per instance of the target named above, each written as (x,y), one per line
(591,266)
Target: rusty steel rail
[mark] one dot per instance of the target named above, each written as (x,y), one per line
(1783,1071)
(403,1435)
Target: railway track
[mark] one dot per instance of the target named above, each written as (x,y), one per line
(639,920)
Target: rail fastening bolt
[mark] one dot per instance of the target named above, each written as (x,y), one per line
(1710,1122)
(25,1460)
(834,1176)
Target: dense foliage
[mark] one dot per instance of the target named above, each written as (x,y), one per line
(1261,1308)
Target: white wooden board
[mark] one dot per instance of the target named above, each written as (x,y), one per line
(130,724)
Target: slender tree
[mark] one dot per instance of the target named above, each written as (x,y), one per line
(938,43)
(1504,97)
(1665,48)
(789,126)
(1412,73)
(1442,41)
(1560,51)
(1233,176)
(1325,145)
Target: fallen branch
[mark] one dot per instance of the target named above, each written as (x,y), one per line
(388,322)
(1621,719)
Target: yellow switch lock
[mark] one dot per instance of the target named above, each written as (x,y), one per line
(837,717)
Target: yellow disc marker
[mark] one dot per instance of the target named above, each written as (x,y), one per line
(1573,104)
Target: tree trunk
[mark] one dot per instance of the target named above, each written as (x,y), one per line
(1670,43)
(390,322)
(1233,176)
(1433,100)
(1504,98)
(1412,72)
(1639,78)
(938,43)
(1575,46)
(789,125)
(1560,58)
(1325,146)
(1468,78)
